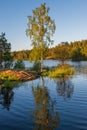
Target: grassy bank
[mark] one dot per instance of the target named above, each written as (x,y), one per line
(61,71)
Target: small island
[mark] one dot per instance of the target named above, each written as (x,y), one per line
(62,71)
(17,75)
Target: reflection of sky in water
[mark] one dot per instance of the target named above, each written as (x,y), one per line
(52,63)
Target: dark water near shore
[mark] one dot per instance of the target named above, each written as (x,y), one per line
(46,104)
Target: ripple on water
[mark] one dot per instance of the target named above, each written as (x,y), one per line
(72,109)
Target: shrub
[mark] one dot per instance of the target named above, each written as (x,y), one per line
(36,66)
(19,65)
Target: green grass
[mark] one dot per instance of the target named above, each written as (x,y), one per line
(8,83)
(61,71)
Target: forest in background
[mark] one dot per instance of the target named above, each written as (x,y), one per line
(76,51)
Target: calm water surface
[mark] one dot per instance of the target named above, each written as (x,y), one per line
(46,104)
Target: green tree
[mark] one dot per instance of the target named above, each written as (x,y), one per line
(61,53)
(5,48)
(40,29)
(77,54)
(19,65)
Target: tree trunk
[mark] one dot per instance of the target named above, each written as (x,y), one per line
(42,82)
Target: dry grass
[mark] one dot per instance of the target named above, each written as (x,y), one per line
(62,70)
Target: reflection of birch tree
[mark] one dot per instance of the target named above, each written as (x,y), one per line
(64,87)
(44,114)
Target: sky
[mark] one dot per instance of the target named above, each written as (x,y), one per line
(70,18)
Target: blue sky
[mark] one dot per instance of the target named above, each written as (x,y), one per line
(70,17)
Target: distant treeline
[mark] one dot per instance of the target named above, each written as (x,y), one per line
(21,55)
(75,51)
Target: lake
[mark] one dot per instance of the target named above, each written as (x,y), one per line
(46,104)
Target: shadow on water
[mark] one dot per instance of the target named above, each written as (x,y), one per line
(64,87)
(45,116)
(6,96)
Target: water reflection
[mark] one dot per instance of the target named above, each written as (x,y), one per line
(64,87)
(81,70)
(6,96)
(45,116)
